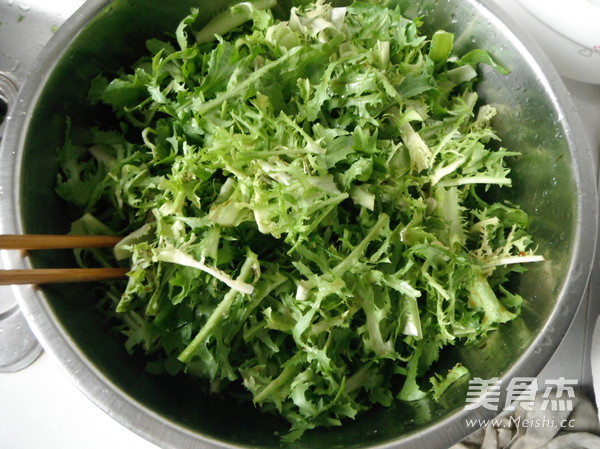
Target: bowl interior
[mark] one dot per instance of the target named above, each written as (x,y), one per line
(546,183)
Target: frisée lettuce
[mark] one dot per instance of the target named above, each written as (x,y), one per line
(304,206)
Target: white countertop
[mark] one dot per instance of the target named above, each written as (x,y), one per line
(41,408)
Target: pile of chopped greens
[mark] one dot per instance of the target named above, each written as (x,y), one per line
(303,205)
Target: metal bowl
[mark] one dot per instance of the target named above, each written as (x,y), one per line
(554,181)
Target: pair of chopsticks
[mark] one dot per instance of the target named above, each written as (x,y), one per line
(58,275)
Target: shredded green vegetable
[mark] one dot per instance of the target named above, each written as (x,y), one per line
(304,207)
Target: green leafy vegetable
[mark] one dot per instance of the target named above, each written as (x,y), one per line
(303,205)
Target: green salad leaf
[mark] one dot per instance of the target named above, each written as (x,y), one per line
(303,205)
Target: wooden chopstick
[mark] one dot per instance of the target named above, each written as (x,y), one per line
(58,275)
(39,241)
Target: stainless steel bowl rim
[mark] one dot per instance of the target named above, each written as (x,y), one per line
(167,434)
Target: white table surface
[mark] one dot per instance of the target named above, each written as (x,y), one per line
(41,408)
